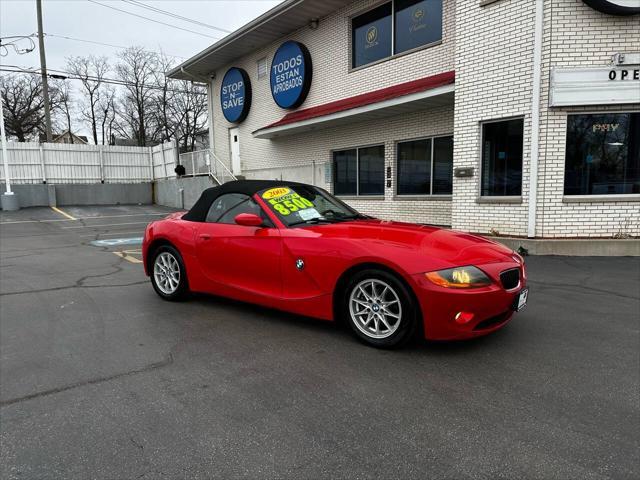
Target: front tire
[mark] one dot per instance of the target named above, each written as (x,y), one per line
(168,275)
(379,309)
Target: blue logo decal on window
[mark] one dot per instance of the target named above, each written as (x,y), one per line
(235,95)
(291,73)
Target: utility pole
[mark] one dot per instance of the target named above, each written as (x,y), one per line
(43,70)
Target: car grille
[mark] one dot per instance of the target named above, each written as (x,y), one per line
(510,278)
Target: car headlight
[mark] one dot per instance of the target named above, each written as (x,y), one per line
(459,277)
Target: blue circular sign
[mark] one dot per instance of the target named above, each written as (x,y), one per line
(235,95)
(291,74)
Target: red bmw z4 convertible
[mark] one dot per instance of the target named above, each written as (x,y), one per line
(297,248)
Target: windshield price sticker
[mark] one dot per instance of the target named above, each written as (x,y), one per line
(275,192)
(309,214)
(286,203)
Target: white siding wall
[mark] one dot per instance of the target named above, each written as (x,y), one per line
(329,46)
(491,49)
(578,36)
(494,59)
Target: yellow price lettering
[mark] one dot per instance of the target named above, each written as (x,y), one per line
(287,204)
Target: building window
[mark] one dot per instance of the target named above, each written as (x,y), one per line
(425,167)
(502,144)
(359,171)
(371,36)
(262,68)
(417,23)
(443,166)
(603,154)
(394,28)
(345,172)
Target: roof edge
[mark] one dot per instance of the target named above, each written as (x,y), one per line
(233,36)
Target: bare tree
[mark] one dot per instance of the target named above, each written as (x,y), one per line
(91,70)
(137,68)
(107,113)
(24,105)
(65,104)
(191,112)
(164,111)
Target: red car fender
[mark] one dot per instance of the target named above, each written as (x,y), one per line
(173,231)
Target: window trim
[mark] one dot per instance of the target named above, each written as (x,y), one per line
(600,197)
(393,55)
(603,197)
(494,198)
(357,195)
(415,196)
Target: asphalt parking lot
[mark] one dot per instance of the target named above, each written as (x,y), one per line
(100,378)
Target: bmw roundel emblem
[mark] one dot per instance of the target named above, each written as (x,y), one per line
(299,264)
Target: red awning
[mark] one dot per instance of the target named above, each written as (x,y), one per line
(388,93)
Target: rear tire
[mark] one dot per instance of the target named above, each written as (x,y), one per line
(168,275)
(379,309)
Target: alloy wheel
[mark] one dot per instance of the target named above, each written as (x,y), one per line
(166,272)
(375,308)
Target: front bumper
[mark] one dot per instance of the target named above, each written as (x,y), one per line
(491,307)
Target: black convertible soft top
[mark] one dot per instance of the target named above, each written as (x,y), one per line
(198,212)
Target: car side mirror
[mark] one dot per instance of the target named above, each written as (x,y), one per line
(249,220)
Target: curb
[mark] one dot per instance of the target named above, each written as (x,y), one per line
(574,247)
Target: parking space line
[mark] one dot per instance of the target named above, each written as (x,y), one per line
(37,221)
(108,225)
(85,218)
(128,255)
(127,215)
(70,217)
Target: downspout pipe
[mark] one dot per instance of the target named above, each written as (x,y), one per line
(210,113)
(535,119)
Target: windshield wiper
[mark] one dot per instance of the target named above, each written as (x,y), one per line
(346,218)
(311,221)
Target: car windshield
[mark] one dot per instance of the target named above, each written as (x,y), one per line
(305,204)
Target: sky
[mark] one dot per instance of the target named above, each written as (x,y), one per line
(87,20)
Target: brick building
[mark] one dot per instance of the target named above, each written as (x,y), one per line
(515,116)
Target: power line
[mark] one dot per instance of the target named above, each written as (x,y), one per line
(70,76)
(152,20)
(122,47)
(12,41)
(174,15)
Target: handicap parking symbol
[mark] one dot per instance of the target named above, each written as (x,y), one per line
(115,242)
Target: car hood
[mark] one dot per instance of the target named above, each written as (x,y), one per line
(448,247)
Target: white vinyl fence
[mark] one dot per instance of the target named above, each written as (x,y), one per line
(70,163)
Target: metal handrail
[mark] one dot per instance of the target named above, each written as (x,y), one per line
(213,166)
(219,163)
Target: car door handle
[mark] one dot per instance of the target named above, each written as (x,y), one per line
(205,236)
